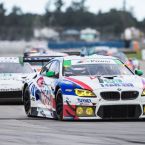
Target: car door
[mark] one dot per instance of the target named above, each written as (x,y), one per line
(51,67)
(49,85)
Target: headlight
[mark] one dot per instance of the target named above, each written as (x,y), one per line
(79,111)
(143,92)
(82,111)
(89,111)
(84,93)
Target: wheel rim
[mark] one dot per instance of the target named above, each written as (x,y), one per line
(27,101)
(59,106)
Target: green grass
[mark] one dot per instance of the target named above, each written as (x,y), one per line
(135,55)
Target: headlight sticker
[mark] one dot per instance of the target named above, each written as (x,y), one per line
(84,93)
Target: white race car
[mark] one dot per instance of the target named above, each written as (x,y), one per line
(12,77)
(92,87)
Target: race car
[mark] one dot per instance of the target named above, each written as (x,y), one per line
(132,63)
(13,74)
(34,50)
(91,87)
(42,51)
(37,61)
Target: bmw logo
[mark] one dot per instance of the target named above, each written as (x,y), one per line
(119,89)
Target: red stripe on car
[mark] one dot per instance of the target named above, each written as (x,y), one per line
(82,84)
(68,112)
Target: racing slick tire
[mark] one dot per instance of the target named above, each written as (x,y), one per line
(59,105)
(27,102)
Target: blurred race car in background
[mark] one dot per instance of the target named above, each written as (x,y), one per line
(13,74)
(34,50)
(132,63)
(37,61)
(92,87)
(42,51)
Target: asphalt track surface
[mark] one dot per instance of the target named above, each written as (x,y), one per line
(17,129)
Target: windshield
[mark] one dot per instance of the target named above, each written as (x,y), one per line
(121,56)
(98,50)
(15,68)
(96,69)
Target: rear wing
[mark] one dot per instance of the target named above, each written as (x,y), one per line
(72,52)
(37,59)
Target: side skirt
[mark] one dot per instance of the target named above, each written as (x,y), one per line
(42,112)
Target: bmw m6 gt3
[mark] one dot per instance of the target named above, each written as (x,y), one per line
(92,87)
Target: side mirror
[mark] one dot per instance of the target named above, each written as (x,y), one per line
(139,72)
(50,74)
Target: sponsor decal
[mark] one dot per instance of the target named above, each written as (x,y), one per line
(114,83)
(118,85)
(33,90)
(68,90)
(96,61)
(33,99)
(107,81)
(41,111)
(83,101)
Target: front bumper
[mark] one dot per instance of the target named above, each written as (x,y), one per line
(11,96)
(120,109)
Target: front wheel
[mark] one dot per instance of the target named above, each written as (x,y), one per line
(59,105)
(27,102)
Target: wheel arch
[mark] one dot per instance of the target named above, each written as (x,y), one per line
(56,89)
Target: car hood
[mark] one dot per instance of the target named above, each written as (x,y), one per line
(93,83)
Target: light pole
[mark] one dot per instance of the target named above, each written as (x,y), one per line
(124,5)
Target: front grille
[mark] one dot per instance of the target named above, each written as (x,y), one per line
(129,95)
(114,96)
(119,112)
(11,94)
(110,96)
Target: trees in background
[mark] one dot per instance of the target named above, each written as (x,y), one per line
(19,25)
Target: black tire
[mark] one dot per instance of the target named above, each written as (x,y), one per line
(59,105)
(27,102)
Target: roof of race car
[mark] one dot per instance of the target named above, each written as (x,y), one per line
(88,57)
(10,59)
